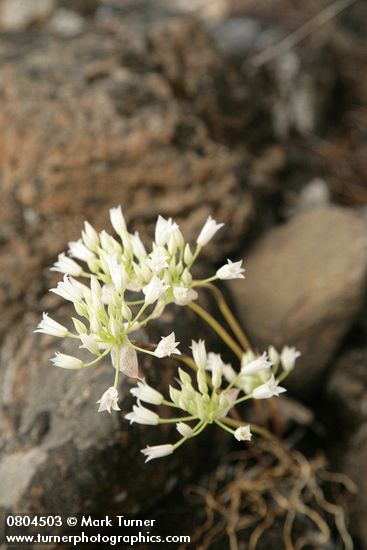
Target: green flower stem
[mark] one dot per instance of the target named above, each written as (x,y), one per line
(284,375)
(203,282)
(232,422)
(99,276)
(135,302)
(186,360)
(140,313)
(217,327)
(224,427)
(242,399)
(117,368)
(179,443)
(71,335)
(172,420)
(231,384)
(146,320)
(142,350)
(195,256)
(99,357)
(198,429)
(229,317)
(169,404)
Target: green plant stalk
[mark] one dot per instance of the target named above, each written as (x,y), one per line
(227,338)
(229,317)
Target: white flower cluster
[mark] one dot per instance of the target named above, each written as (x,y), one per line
(125,287)
(115,267)
(213,397)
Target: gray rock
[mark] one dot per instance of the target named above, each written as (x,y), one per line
(304,286)
(347,387)
(57,453)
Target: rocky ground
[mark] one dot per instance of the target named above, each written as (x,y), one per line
(169,107)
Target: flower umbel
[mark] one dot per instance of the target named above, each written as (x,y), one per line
(118,286)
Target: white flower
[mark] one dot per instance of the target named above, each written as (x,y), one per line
(267,390)
(176,240)
(208,231)
(273,355)
(243,433)
(211,359)
(142,415)
(138,247)
(247,357)
(66,361)
(232,270)
(166,346)
(116,327)
(90,343)
(154,290)
(215,365)
(145,393)
(182,295)
(199,353)
(157,260)
(288,357)
(108,293)
(67,265)
(109,400)
(117,220)
(128,360)
(78,250)
(229,373)
(163,230)
(79,326)
(68,289)
(257,365)
(158,309)
(157,451)
(184,429)
(117,272)
(49,326)
(90,236)
(231,396)
(108,243)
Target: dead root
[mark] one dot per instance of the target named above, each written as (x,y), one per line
(268,485)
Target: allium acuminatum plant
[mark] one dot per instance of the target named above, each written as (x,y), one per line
(116,269)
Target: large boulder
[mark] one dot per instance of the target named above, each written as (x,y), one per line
(58,454)
(305,283)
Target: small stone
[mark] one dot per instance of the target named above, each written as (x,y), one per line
(235,36)
(66,23)
(315,193)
